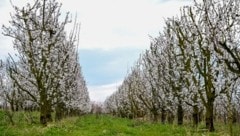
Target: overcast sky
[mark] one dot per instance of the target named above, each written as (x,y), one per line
(113,34)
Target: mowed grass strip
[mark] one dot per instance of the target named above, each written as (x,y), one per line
(104,125)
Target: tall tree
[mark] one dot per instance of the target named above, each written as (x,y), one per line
(45,52)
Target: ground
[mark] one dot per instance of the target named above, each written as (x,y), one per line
(104,125)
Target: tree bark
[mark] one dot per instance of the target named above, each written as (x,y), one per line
(180,113)
(170,117)
(196,115)
(58,114)
(155,116)
(163,115)
(43,115)
(45,111)
(210,116)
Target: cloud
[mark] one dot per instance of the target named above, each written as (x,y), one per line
(100,93)
(120,23)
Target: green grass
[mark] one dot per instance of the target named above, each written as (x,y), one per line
(89,125)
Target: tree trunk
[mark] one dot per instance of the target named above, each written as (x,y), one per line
(17,107)
(155,116)
(180,113)
(58,114)
(196,115)
(230,114)
(49,111)
(45,108)
(170,117)
(209,116)
(12,104)
(45,113)
(163,115)
(59,111)
(234,120)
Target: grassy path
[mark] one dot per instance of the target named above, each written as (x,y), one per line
(89,125)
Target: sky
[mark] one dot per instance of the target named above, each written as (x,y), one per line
(112,36)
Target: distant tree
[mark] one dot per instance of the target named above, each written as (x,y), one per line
(1,84)
(134,89)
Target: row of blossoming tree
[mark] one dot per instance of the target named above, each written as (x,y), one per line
(45,74)
(191,70)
